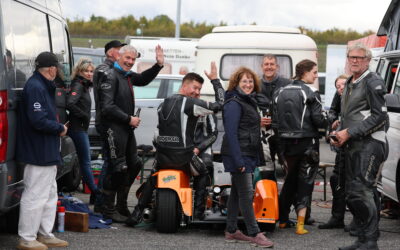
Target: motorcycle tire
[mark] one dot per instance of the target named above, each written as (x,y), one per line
(168,211)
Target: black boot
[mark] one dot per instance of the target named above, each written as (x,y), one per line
(122,201)
(369,245)
(135,218)
(109,211)
(354,246)
(332,223)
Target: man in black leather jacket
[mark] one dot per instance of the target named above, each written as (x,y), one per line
(271,82)
(175,138)
(117,106)
(111,50)
(362,135)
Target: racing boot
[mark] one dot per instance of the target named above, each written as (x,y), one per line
(122,201)
(135,218)
(358,243)
(369,245)
(109,211)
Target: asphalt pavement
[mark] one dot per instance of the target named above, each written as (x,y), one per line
(212,236)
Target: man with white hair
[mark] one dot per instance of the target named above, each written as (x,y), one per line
(117,107)
(362,135)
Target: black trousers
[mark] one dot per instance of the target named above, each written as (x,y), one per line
(363,159)
(122,156)
(299,182)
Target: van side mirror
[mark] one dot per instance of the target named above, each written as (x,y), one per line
(393,102)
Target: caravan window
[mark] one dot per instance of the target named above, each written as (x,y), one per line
(230,62)
(25,35)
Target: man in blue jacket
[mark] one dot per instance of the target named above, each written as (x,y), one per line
(38,146)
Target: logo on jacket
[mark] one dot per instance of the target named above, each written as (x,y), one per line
(37,106)
(168,139)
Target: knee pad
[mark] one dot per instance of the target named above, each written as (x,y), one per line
(359,209)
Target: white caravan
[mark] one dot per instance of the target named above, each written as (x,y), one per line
(178,53)
(234,46)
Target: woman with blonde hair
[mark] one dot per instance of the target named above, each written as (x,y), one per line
(79,106)
(240,154)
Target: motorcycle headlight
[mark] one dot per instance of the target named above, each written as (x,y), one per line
(217,190)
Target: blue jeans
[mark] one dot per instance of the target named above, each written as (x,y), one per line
(82,146)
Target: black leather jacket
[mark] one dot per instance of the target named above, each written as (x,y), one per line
(206,132)
(79,104)
(101,71)
(363,109)
(177,119)
(116,96)
(299,111)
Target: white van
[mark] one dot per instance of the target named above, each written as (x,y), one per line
(388,69)
(234,46)
(177,53)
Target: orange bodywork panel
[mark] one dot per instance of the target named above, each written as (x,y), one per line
(265,202)
(177,180)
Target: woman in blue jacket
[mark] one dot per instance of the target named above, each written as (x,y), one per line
(79,106)
(240,152)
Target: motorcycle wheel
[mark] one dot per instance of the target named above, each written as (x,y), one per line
(168,211)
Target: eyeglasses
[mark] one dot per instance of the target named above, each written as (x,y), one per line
(357,58)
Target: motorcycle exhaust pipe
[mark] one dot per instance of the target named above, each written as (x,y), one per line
(148,214)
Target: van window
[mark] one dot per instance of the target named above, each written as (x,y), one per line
(25,35)
(97,60)
(60,46)
(230,62)
(174,86)
(149,91)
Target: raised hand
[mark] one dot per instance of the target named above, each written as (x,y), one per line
(159,55)
(213,72)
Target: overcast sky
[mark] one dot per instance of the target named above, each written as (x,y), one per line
(360,15)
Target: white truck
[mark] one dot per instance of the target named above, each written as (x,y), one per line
(178,53)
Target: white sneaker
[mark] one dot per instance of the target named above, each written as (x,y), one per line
(30,245)
(52,241)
